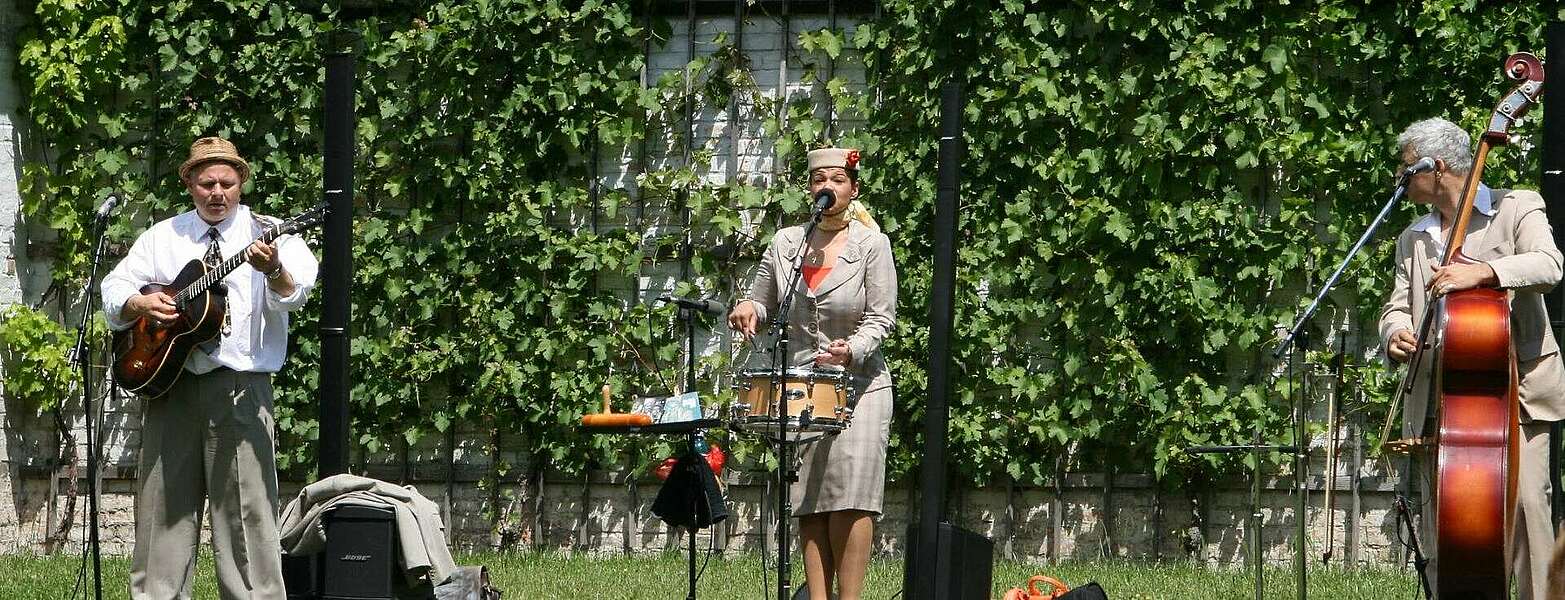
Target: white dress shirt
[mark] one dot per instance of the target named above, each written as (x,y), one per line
(1483,202)
(257,337)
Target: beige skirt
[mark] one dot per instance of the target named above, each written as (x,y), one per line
(847,471)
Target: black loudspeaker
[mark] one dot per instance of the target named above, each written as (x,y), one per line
(964,564)
(300,575)
(360,559)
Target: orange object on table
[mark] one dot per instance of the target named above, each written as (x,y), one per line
(609,418)
(615,420)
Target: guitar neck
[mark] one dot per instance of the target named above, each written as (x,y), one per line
(215,276)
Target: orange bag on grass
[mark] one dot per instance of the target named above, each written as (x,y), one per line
(1032,593)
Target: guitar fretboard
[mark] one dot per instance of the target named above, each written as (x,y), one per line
(214,276)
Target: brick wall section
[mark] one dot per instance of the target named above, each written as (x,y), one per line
(606,513)
(21,504)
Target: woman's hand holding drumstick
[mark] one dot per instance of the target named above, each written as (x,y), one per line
(836,353)
(743,318)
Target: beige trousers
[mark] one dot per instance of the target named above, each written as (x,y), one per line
(209,441)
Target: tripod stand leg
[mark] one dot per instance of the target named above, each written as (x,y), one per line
(1404,517)
(691,565)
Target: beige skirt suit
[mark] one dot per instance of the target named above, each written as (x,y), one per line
(857,302)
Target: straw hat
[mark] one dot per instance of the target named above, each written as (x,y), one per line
(214,149)
(847,158)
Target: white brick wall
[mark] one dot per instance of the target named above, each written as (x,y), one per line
(19,505)
(12,245)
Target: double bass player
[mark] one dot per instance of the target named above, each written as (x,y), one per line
(1512,248)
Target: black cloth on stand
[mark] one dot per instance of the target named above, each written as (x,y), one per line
(690,497)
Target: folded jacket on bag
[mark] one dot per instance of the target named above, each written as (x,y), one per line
(421,535)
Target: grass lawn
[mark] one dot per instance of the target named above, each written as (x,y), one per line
(550,575)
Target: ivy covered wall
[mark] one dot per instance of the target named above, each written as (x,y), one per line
(1146,197)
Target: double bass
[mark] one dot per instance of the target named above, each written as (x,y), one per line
(1475,446)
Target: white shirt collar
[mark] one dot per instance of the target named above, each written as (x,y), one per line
(1430,224)
(193,225)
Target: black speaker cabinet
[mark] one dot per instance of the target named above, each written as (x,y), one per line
(300,574)
(963,569)
(360,557)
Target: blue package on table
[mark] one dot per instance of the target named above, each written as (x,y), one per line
(684,407)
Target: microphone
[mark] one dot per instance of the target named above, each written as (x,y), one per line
(1423,164)
(107,207)
(711,307)
(823,200)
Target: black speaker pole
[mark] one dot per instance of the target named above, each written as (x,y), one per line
(1552,185)
(932,477)
(337,260)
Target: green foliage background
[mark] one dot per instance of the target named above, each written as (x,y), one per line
(1147,195)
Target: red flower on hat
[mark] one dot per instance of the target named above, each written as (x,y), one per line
(853,159)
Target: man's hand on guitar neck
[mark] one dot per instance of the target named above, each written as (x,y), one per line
(263,257)
(157,306)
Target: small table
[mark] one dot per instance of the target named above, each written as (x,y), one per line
(689,429)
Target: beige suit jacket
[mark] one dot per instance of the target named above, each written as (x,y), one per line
(1517,242)
(857,301)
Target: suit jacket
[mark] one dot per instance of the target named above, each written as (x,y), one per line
(857,301)
(1517,242)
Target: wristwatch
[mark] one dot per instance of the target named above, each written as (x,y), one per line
(275,273)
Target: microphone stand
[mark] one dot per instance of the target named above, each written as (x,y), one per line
(1300,334)
(80,359)
(1331,282)
(786,473)
(1405,519)
(1253,528)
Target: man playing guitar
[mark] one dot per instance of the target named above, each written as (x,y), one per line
(211,436)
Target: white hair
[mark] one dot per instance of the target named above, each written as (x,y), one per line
(1441,140)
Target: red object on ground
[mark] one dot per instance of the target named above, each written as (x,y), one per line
(1057,589)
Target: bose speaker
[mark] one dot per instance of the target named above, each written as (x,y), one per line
(963,569)
(360,559)
(300,576)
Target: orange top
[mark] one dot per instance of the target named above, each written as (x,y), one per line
(813,276)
